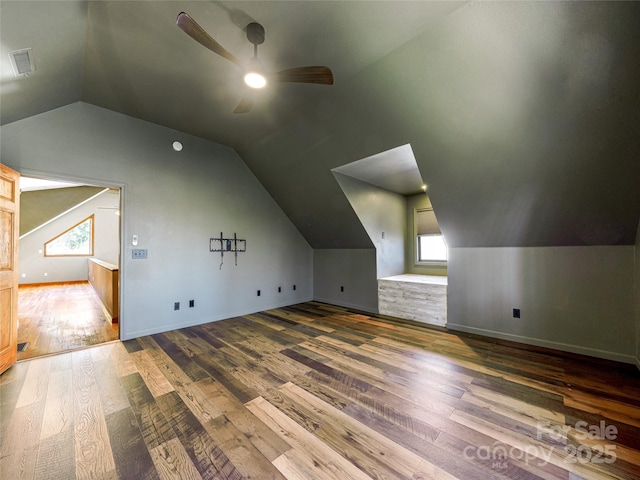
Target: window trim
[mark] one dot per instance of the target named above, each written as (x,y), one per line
(91,218)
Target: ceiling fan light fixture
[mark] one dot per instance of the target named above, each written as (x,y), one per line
(254,77)
(255,80)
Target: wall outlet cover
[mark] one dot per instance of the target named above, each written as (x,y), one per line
(139,253)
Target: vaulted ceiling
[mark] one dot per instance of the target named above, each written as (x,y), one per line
(523,117)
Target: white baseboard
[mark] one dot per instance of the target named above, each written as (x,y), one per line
(201,320)
(566,347)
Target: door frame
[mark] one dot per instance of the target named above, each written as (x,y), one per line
(94,182)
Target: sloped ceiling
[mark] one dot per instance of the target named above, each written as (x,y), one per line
(40,206)
(523,117)
(395,170)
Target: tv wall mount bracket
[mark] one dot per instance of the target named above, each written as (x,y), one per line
(230,245)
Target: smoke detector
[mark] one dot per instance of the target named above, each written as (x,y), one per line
(22,62)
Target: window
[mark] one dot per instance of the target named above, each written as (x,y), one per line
(431,248)
(431,244)
(76,241)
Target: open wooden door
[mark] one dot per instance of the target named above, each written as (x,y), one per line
(9,226)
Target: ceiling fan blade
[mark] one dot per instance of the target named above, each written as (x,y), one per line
(245,104)
(319,75)
(189,26)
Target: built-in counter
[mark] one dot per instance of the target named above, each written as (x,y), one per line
(105,279)
(422,298)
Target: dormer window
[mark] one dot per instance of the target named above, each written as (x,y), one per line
(431,246)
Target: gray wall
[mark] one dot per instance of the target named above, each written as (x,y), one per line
(381,212)
(174,202)
(353,269)
(579,299)
(34,264)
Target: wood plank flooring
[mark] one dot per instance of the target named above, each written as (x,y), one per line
(314,391)
(58,317)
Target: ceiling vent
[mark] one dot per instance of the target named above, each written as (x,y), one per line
(22,62)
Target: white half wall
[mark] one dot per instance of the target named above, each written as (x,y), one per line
(577,299)
(174,202)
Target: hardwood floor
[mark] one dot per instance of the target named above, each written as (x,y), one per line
(61,316)
(314,391)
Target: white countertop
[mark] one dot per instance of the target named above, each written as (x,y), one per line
(413,278)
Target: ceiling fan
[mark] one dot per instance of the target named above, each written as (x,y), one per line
(255,77)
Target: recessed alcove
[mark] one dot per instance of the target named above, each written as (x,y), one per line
(386,190)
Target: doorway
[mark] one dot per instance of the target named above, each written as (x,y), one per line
(59,309)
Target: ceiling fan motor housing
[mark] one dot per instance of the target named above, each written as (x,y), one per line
(255,33)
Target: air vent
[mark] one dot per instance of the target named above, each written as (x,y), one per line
(22,62)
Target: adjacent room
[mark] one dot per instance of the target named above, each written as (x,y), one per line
(69,259)
(321,239)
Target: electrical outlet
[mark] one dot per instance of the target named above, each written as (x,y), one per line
(341,288)
(192,303)
(176,306)
(294,287)
(279,289)
(139,253)
(258,292)
(516,313)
